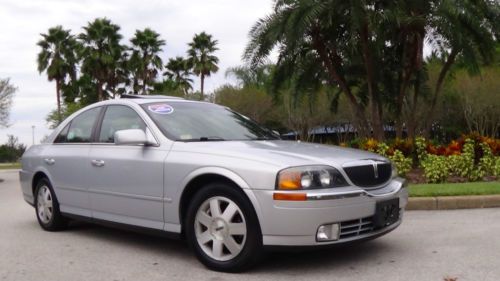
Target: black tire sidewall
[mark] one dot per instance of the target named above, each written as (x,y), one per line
(253,243)
(56,221)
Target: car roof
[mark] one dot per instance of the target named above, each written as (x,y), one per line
(142,99)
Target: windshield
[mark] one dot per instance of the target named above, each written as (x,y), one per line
(189,121)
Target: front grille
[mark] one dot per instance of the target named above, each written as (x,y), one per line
(356,227)
(368,176)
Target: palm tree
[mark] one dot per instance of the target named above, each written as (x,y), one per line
(178,71)
(202,58)
(101,52)
(315,44)
(58,58)
(145,60)
(347,44)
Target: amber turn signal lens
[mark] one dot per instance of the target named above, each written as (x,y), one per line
(290,196)
(289,180)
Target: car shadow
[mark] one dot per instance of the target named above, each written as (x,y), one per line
(342,257)
(346,257)
(127,238)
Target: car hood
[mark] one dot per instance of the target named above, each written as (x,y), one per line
(279,153)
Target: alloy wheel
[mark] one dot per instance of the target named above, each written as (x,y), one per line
(45,207)
(220,228)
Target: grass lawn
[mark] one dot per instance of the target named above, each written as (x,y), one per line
(454,189)
(6,166)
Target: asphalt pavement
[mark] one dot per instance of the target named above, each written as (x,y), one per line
(429,245)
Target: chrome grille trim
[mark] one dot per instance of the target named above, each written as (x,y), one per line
(360,227)
(356,227)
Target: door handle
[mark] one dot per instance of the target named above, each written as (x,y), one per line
(97,163)
(49,161)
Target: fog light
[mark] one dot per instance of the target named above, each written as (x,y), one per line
(328,232)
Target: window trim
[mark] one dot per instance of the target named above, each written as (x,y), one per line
(92,136)
(95,140)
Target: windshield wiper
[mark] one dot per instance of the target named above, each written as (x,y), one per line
(213,138)
(265,138)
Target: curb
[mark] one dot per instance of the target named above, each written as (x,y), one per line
(453,202)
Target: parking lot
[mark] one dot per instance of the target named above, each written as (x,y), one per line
(430,245)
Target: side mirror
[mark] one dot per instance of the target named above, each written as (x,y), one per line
(131,137)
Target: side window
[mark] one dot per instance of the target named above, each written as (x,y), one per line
(62,135)
(80,129)
(119,117)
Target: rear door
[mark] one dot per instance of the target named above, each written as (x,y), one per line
(67,162)
(126,181)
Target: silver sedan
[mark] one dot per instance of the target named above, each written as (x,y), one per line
(207,174)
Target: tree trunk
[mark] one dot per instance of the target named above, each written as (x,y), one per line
(413,50)
(439,87)
(202,78)
(376,113)
(58,93)
(145,78)
(99,91)
(144,87)
(400,100)
(412,122)
(331,64)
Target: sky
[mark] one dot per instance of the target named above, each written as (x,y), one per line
(177,21)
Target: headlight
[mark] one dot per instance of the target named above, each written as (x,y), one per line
(309,177)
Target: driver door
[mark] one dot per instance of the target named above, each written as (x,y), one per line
(126,181)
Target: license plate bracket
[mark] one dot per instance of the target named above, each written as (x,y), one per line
(386,213)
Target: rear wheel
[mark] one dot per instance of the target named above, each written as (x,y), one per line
(47,207)
(223,229)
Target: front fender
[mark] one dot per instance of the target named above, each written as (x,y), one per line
(218,171)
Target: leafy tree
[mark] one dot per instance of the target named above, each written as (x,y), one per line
(254,103)
(12,150)
(145,62)
(477,96)
(258,77)
(101,53)
(168,87)
(201,57)
(179,72)
(7,92)
(66,110)
(58,58)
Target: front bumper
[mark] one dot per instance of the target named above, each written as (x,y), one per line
(295,223)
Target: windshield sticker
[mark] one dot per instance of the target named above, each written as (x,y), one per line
(161,108)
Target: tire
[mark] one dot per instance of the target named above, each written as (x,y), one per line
(227,238)
(47,207)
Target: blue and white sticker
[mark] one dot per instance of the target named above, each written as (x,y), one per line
(161,108)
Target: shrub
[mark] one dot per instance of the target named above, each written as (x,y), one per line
(496,168)
(435,168)
(420,147)
(402,163)
(487,162)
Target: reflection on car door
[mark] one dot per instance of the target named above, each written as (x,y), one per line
(67,162)
(126,181)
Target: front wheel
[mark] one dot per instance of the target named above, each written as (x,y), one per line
(223,229)
(47,207)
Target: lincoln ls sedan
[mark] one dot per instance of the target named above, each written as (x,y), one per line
(209,175)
